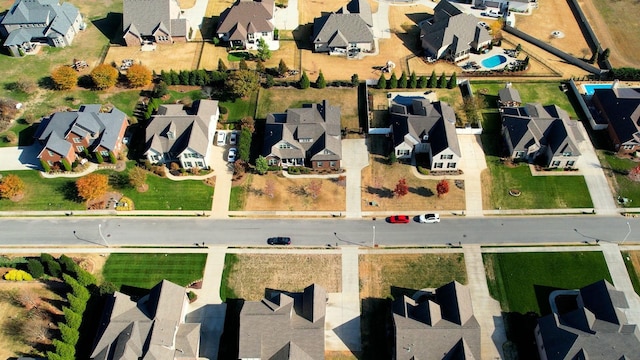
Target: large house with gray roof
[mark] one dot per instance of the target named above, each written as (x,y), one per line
(39,22)
(419,126)
(90,129)
(544,135)
(154,21)
(620,107)
(182,135)
(309,136)
(246,21)
(452,34)
(436,325)
(588,323)
(151,328)
(347,31)
(284,326)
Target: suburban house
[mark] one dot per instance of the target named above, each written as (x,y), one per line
(588,323)
(544,135)
(284,326)
(419,126)
(151,328)
(436,325)
(308,136)
(347,31)
(30,23)
(620,107)
(519,6)
(452,34)
(90,129)
(509,97)
(176,134)
(151,22)
(246,21)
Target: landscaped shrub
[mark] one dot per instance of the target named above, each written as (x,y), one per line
(382,82)
(99,157)
(72,318)
(223,110)
(68,265)
(107,288)
(244,148)
(45,166)
(423,171)
(68,334)
(66,351)
(192,296)
(112,157)
(66,165)
(85,278)
(393,82)
(76,304)
(53,268)
(35,268)
(18,275)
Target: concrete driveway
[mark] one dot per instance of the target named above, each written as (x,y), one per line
(287,18)
(195,15)
(20,158)
(355,157)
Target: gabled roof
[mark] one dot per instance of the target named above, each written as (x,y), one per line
(150,328)
(58,18)
(594,328)
(313,132)
(145,17)
(621,107)
(341,30)
(359,7)
(174,130)
(509,94)
(439,323)
(284,326)
(245,14)
(434,121)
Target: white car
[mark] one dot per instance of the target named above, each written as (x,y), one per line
(429,218)
(221,139)
(231,157)
(233,138)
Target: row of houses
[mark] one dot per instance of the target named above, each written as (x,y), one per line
(587,323)
(450,34)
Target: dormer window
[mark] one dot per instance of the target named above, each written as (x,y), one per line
(171,135)
(425,137)
(305,140)
(284,146)
(568,153)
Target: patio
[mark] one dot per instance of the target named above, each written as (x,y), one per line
(474,61)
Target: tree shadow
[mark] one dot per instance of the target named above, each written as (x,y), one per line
(69,191)
(46,82)
(422,191)
(119,180)
(85,81)
(110,26)
(382,192)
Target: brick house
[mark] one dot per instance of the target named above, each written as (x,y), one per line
(620,107)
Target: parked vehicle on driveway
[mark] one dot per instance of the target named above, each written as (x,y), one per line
(221,140)
(399,219)
(233,138)
(429,218)
(231,157)
(279,240)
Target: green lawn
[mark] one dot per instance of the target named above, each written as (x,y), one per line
(241,108)
(143,271)
(237,56)
(522,282)
(43,194)
(23,130)
(237,198)
(619,168)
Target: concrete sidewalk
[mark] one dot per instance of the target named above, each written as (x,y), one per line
(621,280)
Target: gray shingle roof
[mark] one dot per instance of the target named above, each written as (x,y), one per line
(595,329)
(318,122)
(621,106)
(174,130)
(442,323)
(509,94)
(360,7)
(236,19)
(285,326)
(151,328)
(437,120)
(144,17)
(341,29)
(58,17)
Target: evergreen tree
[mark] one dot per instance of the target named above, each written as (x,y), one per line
(442,81)
(355,80)
(402,82)
(432,80)
(422,82)
(260,66)
(382,82)
(413,80)
(282,68)
(304,81)
(243,65)
(175,78)
(320,82)
(269,82)
(393,82)
(453,81)
(221,65)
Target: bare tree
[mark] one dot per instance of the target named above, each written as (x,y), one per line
(36,329)
(314,188)
(269,188)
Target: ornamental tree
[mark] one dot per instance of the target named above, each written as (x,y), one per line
(92,186)
(402,188)
(11,186)
(104,76)
(304,81)
(443,187)
(242,82)
(264,53)
(139,75)
(64,77)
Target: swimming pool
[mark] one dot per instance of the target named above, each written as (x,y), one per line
(493,61)
(590,88)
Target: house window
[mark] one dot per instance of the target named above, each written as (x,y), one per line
(187,164)
(519,154)
(200,164)
(285,146)
(50,152)
(264,33)
(50,162)
(628,147)
(273,162)
(319,164)
(76,140)
(403,152)
(555,163)
(451,165)
(570,163)
(437,165)
(446,157)
(332,164)
(104,153)
(79,148)
(305,140)
(155,157)
(568,153)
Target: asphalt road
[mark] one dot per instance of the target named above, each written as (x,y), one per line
(187,231)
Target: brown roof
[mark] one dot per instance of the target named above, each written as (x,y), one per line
(244,15)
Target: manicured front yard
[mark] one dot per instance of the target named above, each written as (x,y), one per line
(43,194)
(143,271)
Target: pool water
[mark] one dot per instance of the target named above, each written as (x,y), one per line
(590,88)
(493,61)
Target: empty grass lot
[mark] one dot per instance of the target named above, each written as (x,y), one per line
(632,262)
(143,271)
(522,282)
(617,170)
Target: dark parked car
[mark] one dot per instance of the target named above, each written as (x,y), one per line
(399,219)
(279,240)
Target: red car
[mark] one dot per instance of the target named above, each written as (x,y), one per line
(399,219)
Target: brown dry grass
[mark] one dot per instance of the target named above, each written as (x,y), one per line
(186,4)
(286,197)
(635,260)
(254,273)
(178,56)
(379,272)
(379,180)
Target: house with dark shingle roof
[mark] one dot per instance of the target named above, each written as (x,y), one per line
(39,22)
(588,323)
(544,135)
(436,325)
(509,97)
(424,127)
(308,136)
(154,21)
(89,129)
(620,107)
(284,326)
(182,135)
(452,34)
(347,31)
(246,21)
(151,328)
